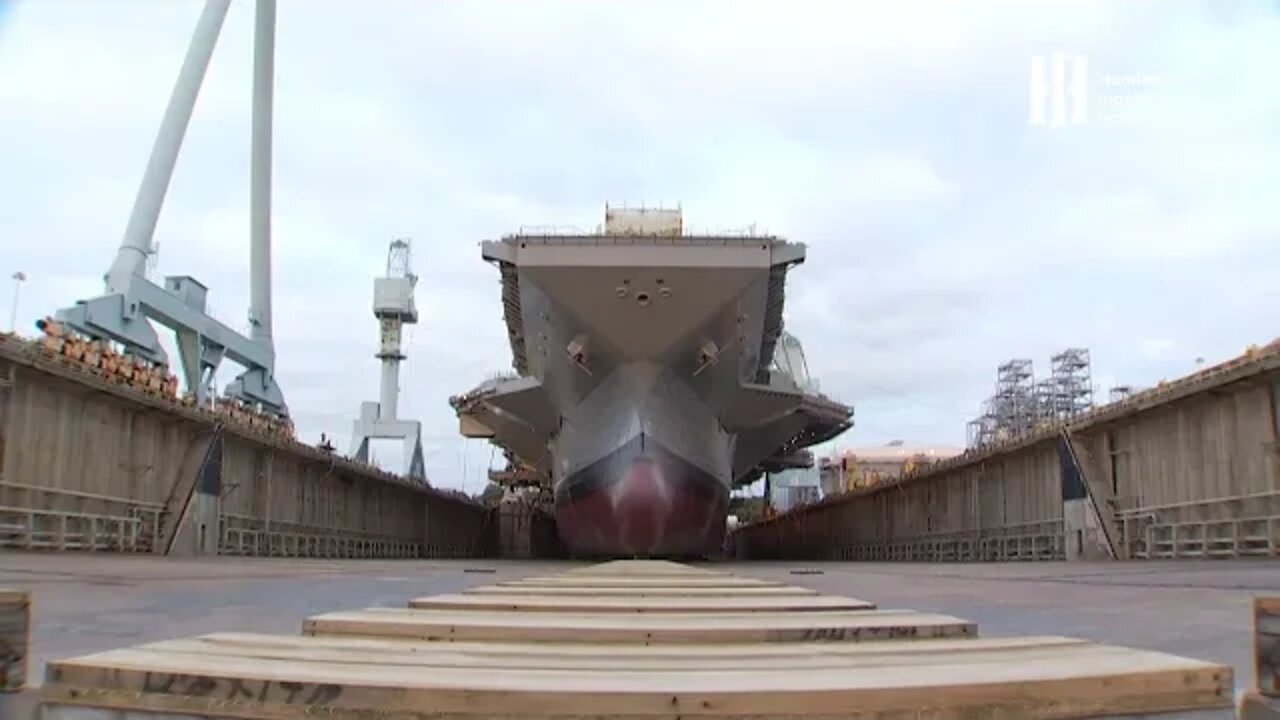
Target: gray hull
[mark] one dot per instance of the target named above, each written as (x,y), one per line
(644,387)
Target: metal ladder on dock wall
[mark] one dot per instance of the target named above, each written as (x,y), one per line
(1105,520)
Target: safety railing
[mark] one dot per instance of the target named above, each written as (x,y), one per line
(1038,540)
(33,529)
(249,536)
(44,518)
(1211,527)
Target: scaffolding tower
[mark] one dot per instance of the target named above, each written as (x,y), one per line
(1014,405)
(982,429)
(1072,382)
(1021,404)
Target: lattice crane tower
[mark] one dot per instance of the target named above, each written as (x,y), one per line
(393,306)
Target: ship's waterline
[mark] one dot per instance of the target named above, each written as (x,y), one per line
(641,500)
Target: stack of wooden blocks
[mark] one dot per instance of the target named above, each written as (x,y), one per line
(101,359)
(633,639)
(15,644)
(1263,702)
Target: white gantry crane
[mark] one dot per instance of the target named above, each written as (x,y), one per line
(393,306)
(123,313)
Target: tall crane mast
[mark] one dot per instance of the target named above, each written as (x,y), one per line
(393,306)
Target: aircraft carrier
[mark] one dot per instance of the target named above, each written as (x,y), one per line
(646,384)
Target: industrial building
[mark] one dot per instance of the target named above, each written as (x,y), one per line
(863,467)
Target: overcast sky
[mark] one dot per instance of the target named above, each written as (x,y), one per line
(946,233)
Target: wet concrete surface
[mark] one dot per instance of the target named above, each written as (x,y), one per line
(89,603)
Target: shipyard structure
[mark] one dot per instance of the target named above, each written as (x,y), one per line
(645,384)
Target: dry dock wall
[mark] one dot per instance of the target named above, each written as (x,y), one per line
(1189,469)
(86,464)
(525,531)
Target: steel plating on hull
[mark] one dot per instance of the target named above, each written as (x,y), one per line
(645,383)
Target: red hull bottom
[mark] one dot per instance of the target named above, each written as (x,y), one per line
(642,503)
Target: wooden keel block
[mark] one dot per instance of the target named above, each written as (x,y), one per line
(15,638)
(613,581)
(246,676)
(643,568)
(544,603)
(607,657)
(569,591)
(643,628)
(1266,645)
(1256,706)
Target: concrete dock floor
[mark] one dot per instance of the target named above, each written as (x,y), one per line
(87,603)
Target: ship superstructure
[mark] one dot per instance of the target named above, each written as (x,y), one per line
(645,386)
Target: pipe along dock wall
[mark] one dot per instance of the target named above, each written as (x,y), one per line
(87,464)
(1189,469)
